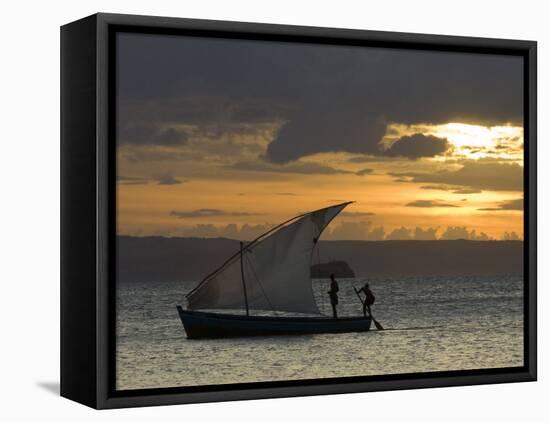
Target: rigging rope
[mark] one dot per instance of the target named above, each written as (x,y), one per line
(318,253)
(259,283)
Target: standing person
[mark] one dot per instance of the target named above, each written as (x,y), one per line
(333,293)
(369,299)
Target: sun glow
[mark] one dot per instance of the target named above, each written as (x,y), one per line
(463,135)
(468,141)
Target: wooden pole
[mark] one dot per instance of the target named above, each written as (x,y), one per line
(376,323)
(244,284)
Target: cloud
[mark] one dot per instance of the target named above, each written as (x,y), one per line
(294,167)
(371,159)
(171,136)
(474,174)
(200,213)
(345,231)
(326,128)
(436,187)
(139,154)
(327,98)
(364,172)
(201,231)
(467,191)
(417,146)
(214,147)
(166,179)
(454,189)
(461,232)
(428,234)
(455,232)
(361,159)
(400,234)
(431,234)
(357,214)
(482,236)
(429,203)
(150,134)
(169,180)
(232,231)
(355,231)
(131,180)
(510,236)
(515,205)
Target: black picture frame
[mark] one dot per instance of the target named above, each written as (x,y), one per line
(88,240)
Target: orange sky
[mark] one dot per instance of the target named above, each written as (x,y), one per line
(193,190)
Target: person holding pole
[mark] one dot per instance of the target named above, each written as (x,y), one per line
(367,302)
(369,299)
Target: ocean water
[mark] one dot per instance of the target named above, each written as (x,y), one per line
(436,323)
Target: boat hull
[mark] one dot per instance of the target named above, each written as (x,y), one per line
(200,324)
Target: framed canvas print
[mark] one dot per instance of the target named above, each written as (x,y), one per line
(255,211)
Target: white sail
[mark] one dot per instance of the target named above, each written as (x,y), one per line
(275,269)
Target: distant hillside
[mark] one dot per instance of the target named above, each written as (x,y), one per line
(169,259)
(338,268)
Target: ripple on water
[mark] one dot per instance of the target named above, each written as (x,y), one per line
(471,323)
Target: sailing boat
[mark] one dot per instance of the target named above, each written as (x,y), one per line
(270,273)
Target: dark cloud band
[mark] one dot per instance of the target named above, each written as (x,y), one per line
(475,175)
(328,98)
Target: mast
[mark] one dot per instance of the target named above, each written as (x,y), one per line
(244,284)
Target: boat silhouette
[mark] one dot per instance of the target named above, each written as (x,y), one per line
(269,274)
